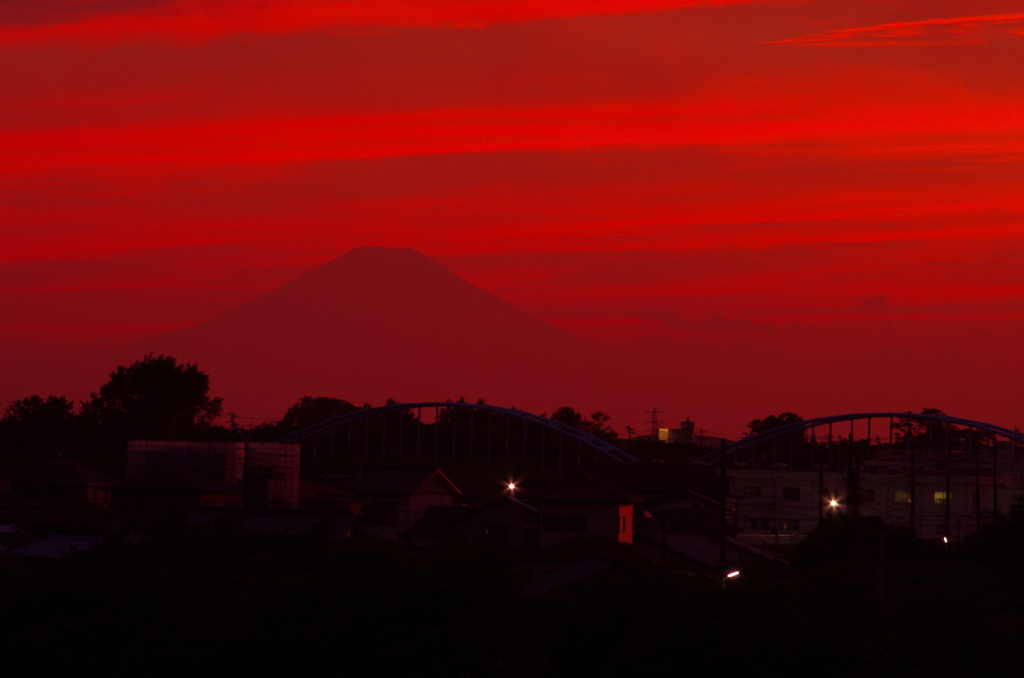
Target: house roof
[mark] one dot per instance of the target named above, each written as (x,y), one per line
(587,546)
(469,490)
(177,478)
(656,479)
(402,481)
(439,521)
(342,484)
(700,547)
(56,546)
(502,502)
(63,473)
(578,487)
(309,491)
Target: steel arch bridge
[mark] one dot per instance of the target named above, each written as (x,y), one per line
(972,436)
(459,429)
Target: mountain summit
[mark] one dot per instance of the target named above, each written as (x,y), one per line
(378,323)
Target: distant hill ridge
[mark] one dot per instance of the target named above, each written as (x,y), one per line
(375,323)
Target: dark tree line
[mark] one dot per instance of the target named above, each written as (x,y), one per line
(152,399)
(158,398)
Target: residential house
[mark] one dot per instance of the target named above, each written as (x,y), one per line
(168,491)
(505,521)
(578,504)
(395,497)
(64,481)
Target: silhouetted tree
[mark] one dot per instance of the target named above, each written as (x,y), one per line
(597,425)
(1001,542)
(309,410)
(937,433)
(33,429)
(154,398)
(841,540)
(569,417)
(775,421)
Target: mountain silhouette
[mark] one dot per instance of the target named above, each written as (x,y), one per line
(377,323)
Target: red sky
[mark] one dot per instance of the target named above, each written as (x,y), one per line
(819,201)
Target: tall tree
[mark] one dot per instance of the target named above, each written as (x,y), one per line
(568,416)
(35,429)
(154,398)
(597,425)
(772,421)
(923,433)
(309,410)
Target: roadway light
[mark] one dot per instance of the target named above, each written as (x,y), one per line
(511,486)
(833,503)
(734,573)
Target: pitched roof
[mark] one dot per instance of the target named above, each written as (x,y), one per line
(656,479)
(504,502)
(578,487)
(700,547)
(440,521)
(64,473)
(587,546)
(445,521)
(402,481)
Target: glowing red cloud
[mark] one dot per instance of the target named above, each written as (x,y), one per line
(198,20)
(969,30)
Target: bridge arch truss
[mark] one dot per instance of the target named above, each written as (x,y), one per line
(900,433)
(459,431)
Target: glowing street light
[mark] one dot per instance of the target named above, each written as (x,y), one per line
(511,487)
(833,503)
(733,574)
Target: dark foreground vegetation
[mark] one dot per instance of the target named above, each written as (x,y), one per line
(214,601)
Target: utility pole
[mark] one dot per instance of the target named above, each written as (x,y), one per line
(949,474)
(995,478)
(977,482)
(821,480)
(913,481)
(724,481)
(853,478)
(655,424)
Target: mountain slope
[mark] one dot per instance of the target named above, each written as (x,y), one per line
(378,323)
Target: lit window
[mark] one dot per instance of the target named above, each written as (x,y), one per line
(663,435)
(622,524)
(901,496)
(940,498)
